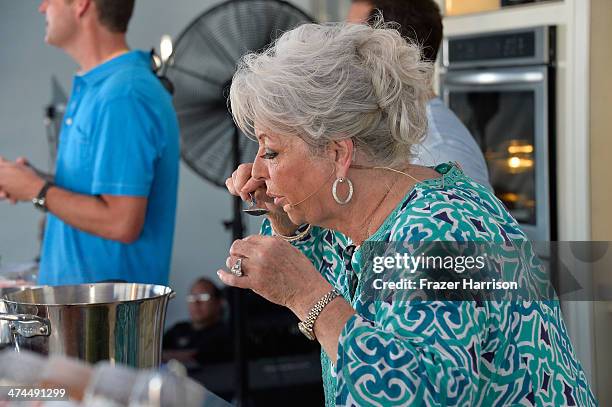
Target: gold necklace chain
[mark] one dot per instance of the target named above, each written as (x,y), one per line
(367,229)
(360,167)
(397,171)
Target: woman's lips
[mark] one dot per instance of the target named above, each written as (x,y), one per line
(279,201)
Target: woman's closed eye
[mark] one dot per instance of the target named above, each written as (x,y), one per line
(269,154)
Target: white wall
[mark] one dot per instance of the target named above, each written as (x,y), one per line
(26,66)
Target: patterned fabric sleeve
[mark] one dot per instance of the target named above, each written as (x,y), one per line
(422,353)
(324,248)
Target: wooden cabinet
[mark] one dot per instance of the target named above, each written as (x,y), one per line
(459,7)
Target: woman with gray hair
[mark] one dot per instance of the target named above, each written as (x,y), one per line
(336,110)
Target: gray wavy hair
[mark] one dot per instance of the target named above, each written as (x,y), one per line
(331,82)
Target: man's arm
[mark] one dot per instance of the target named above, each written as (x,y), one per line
(119,218)
(47,176)
(114,217)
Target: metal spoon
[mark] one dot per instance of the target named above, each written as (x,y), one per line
(253,210)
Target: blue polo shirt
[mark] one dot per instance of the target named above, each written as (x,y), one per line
(119,137)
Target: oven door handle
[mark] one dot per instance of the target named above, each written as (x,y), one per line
(493,78)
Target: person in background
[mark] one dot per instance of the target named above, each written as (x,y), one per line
(447,138)
(111,206)
(205,338)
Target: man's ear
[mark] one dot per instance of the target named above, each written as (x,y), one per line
(342,153)
(83,6)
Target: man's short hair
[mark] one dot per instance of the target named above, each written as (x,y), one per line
(115,14)
(420,21)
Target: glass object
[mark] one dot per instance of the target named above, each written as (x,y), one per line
(503,124)
(26,368)
(110,386)
(166,389)
(66,373)
(170,387)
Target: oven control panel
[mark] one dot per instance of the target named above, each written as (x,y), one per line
(529,46)
(492,47)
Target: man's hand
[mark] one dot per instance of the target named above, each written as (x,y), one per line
(18,182)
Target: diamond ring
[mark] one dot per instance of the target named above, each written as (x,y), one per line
(237,268)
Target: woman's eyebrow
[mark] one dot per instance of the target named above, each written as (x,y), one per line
(266,139)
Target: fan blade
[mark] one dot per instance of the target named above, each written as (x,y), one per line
(216,46)
(204,61)
(196,75)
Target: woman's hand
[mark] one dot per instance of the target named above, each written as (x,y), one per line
(280,273)
(241,184)
(277,271)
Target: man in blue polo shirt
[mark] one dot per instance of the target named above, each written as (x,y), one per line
(113,201)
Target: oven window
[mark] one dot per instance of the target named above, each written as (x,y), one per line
(503,124)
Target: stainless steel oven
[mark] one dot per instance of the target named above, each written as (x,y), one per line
(501,85)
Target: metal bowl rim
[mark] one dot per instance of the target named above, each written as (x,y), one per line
(168,293)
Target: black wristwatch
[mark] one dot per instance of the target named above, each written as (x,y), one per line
(40,202)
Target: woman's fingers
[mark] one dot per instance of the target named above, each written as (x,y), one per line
(229,184)
(236,185)
(252,185)
(241,176)
(233,186)
(270,267)
(241,184)
(233,280)
(250,246)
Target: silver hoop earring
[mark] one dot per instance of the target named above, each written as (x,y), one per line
(335,190)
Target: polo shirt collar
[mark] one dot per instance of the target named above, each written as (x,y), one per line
(104,70)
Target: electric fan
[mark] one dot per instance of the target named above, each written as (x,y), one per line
(201,67)
(54,114)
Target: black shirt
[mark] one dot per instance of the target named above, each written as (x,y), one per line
(212,344)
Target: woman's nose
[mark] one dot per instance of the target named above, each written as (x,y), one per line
(259,170)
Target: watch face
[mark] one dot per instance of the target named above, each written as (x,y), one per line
(307,332)
(39,203)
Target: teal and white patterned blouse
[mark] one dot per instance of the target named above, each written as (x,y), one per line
(444,353)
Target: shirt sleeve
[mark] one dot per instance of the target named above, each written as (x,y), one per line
(417,353)
(126,150)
